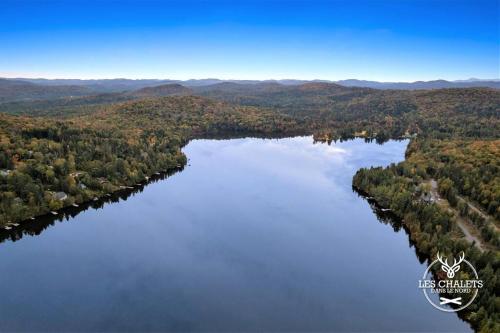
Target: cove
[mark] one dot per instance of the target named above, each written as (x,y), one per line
(253,235)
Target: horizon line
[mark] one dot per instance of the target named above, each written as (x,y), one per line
(473,79)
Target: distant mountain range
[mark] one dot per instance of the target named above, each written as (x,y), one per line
(99,91)
(13,90)
(114,85)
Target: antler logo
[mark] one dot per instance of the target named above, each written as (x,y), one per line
(450,270)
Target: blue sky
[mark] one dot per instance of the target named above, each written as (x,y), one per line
(384,40)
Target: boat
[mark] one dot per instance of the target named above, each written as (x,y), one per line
(53,213)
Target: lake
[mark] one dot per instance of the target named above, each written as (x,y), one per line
(253,235)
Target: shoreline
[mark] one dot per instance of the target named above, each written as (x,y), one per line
(48,218)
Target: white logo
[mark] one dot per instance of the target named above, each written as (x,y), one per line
(456,289)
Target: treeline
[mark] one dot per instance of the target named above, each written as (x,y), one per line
(332,110)
(45,165)
(343,110)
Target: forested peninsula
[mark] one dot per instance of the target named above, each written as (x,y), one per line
(64,151)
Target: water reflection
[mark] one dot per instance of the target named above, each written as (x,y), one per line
(255,235)
(392,220)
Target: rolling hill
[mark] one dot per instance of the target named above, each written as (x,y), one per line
(13,90)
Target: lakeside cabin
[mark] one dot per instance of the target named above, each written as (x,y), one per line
(61,196)
(429,197)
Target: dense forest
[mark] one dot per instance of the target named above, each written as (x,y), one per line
(67,150)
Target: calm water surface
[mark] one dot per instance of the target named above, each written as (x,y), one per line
(253,235)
